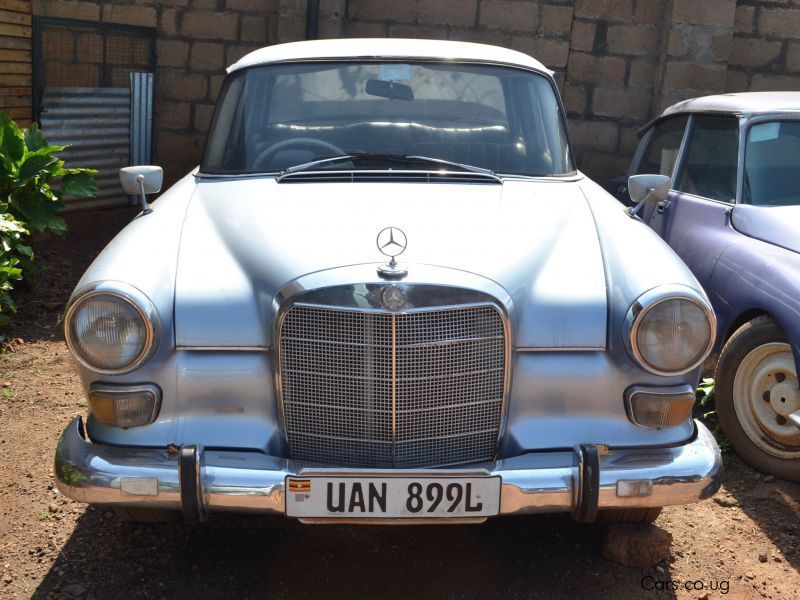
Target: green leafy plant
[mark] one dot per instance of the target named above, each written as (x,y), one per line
(12,235)
(705,398)
(705,410)
(33,183)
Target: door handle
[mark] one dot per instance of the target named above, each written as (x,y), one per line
(662,206)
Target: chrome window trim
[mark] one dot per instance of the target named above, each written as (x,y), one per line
(289,302)
(546,73)
(133,296)
(646,302)
(745,124)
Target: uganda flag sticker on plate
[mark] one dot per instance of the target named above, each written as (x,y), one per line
(300,485)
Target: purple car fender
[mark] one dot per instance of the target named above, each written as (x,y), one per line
(753,277)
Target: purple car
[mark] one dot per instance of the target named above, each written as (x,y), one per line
(733,215)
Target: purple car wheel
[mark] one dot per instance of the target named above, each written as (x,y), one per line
(758,399)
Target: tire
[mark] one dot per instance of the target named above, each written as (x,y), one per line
(756,388)
(146,515)
(629,515)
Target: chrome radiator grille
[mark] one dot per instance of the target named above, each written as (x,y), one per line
(375,389)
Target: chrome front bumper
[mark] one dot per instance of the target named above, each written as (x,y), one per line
(540,482)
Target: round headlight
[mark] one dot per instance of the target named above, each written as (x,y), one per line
(671,331)
(110,331)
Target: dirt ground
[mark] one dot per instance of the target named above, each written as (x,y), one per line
(744,543)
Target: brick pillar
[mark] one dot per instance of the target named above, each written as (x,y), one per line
(613,57)
(694,61)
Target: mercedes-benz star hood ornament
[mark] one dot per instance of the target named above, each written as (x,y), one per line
(392,242)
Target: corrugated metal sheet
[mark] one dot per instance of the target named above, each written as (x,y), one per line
(95,123)
(141,117)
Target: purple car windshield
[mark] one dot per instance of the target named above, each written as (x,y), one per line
(772,164)
(272,117)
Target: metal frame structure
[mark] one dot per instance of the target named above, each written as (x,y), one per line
(105,29)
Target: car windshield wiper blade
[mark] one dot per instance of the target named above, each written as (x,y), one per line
(450,163)
(388,157)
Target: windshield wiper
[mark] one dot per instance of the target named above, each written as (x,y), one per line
(389,158)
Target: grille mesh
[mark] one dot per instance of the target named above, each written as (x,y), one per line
(347,403)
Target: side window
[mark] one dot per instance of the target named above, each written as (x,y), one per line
(709,169)
(662,151)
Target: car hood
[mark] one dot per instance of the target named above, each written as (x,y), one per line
(779,225)
(244,240)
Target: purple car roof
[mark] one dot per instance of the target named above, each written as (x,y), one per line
(740,103)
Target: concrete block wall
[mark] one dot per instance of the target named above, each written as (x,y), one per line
(765,52)
(618,63)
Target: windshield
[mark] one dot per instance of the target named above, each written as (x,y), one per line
(772,164)
(273,117)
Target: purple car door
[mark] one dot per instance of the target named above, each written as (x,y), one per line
(695,218)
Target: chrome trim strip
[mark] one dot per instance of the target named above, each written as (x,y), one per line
(647,301)
(223,348)
(431,175)
(378,521)
(394,388)
(133,296)
(561,349)
(537,482)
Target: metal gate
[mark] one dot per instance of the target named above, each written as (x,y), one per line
(93,90)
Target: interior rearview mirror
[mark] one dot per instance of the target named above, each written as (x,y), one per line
(140,181)
(389,89)
(647,188)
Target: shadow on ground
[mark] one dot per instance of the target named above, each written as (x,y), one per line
(773,504)
(246,557)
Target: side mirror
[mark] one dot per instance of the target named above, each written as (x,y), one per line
(140,181)
(647,188)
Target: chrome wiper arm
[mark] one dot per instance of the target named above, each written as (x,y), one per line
(352,156)
(450,163)
(317,162)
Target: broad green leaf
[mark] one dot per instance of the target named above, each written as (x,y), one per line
(57,225)
(12,144)
(38,212)
(24,250)
(78,185)
(33,138)
(11,272)
(35,165)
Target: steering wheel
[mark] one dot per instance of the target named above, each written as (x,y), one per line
(265,157)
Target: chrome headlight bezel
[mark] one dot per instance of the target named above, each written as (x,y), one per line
(135,298)
(649,300)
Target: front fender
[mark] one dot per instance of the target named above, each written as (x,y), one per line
(755,275)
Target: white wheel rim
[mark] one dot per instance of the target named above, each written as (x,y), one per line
(765,393)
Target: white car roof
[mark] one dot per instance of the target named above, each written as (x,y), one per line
(392,48)
(741,103)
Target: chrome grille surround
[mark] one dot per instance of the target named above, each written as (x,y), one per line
(365,387)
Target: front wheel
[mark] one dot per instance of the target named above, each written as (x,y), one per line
(756,394)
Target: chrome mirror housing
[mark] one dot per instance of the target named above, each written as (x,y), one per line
(647,188)
(140,181)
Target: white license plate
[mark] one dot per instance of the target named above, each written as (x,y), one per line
(392,497)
